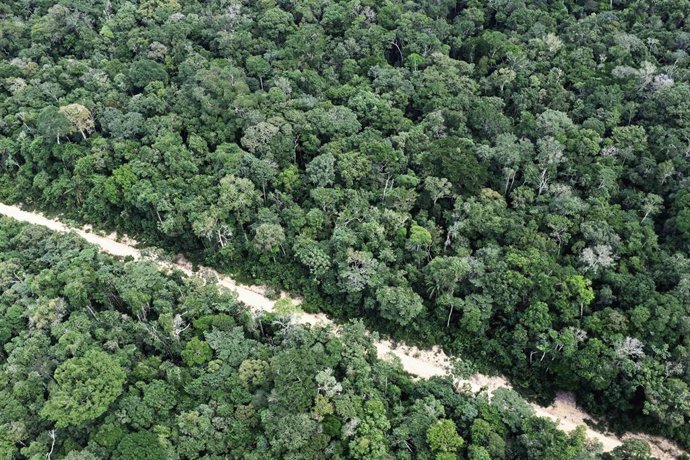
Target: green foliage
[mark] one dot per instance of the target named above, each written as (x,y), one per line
(399,304)
(285,306)
(196,352)
(212,383)
(141,445)
(443,437)
(84,389)
(52,124)
(506,179)
(145,71)
(631,449)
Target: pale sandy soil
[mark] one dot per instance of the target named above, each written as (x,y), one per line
(420,363)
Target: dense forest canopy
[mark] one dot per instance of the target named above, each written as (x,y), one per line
(506,178)
(108,360)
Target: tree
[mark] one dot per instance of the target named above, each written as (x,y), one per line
(370,439)
(253,371)
(83,389)
(399,304)
(309,253)
(438,187)
(453,158)
(238,197)
(269,237)
(80,455)
(443,437)
(651,205)
(550,155)
(335,121)
(597,257)
(580,288)
(122,125)
(502,77)
(443,274)
(485,435)
(478,453)
(275,23)
(683,223)
(196,352)
(321,170)
(80,118)
(667,400)
(632,449)
(145,71)
(258,66)
(328,384)
(420,238)
(257,138)
(53,124)
(141,445)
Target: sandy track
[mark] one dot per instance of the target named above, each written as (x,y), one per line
(420,363)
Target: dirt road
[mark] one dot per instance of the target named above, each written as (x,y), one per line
(420,363)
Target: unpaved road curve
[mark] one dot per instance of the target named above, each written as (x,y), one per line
(420,363)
